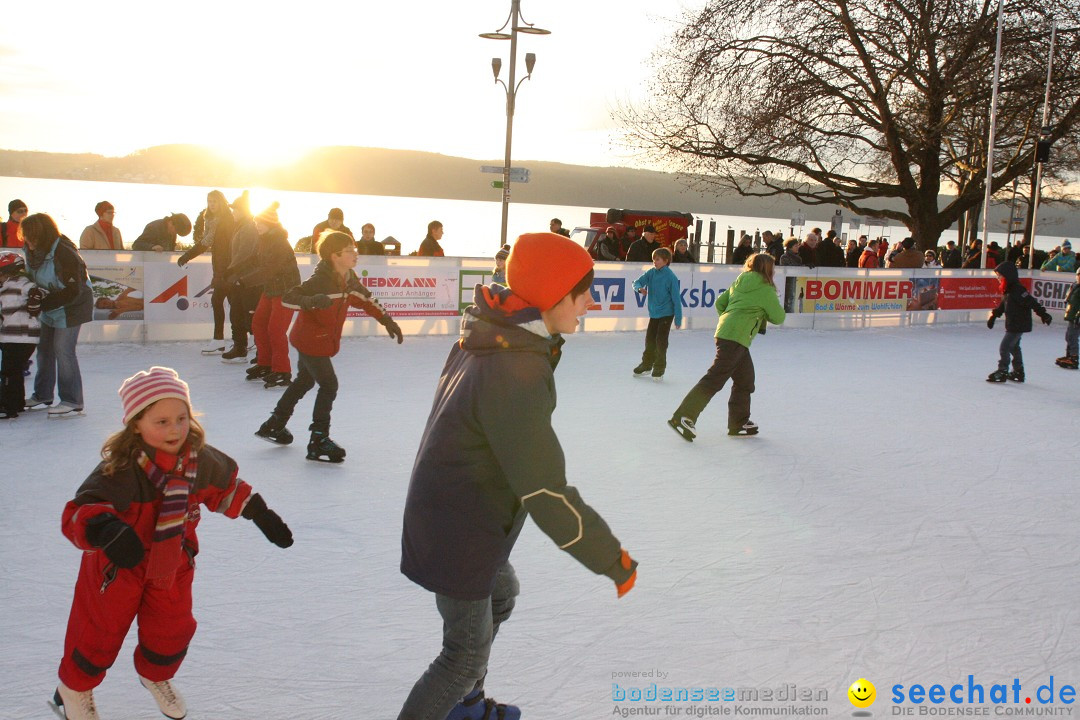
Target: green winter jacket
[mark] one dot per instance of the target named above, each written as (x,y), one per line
(745,307)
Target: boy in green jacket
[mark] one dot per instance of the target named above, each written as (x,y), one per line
(744,309)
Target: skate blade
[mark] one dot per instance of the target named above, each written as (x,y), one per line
(681,431)
(272,441)
(64,416)
(658,378)
(320,458)
(59,710)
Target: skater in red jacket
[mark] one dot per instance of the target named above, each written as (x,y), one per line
(134,519)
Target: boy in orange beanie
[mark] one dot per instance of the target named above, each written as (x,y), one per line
(488,458)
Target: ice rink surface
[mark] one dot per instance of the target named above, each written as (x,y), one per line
(898,519)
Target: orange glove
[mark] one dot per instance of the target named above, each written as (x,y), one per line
(624,573)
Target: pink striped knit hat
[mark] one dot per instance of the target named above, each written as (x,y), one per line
(146,387)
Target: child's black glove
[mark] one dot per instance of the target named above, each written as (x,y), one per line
(1045,318)
(33,301)
(116,539)
(315,302)
(392,328)
(990,321)
(271,524)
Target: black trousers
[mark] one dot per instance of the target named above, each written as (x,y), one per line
(242,303)
(732,362)
(12,386)
(311,370)
(656,344)
(217,303)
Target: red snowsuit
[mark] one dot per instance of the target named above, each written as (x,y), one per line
(108,598)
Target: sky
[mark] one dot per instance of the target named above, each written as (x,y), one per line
(266,80)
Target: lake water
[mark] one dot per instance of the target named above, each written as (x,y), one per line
(471,227)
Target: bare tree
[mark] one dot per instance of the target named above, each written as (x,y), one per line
(860,102)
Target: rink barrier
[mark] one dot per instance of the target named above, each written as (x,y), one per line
(146,297)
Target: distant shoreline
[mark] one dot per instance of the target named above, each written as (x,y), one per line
(406,173)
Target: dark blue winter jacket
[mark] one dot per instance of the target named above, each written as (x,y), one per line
(489,456)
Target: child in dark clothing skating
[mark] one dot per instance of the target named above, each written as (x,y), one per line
(324,300)
(1016,305)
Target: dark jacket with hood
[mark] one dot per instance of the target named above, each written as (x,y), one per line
(275,269)
(1016,302)
(489,457)
(213,233)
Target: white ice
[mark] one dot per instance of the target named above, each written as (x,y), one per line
(898,519)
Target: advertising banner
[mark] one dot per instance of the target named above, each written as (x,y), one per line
(855,295)
(404,291)
(118,290)
(1052,292)
(614,295)
(178,295)
(970,293)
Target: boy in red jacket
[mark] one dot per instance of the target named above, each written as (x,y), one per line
(324,300)
(489,458)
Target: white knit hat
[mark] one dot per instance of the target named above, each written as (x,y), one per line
(146,387)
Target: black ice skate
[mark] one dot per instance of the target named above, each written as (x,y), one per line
(258,372)
(235,355)
(321,448)
(1017,376)
(274,430)
(746,429)
(641,369)
(1069,362)
(998,376)
(658,374)
(684,426)
(277,380)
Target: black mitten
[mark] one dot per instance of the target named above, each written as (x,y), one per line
(990,322)
(392,328)
(268,521)
(1045,318)
(116,539)
(33,301)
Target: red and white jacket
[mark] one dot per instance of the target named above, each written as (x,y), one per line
(317,331)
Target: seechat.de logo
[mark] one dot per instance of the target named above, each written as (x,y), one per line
(862,693)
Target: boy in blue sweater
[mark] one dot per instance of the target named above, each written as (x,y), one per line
(663,289)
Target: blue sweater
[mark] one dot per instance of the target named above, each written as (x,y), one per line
(665,293)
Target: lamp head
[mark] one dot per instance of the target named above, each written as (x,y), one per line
(496,66)
(530,61)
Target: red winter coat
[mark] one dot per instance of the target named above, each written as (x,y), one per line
(317,332)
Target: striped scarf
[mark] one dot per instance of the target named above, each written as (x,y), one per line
(167,546)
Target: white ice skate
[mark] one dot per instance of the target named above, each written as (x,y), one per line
(73,705)
(214,347)
(169,700)
(64,410)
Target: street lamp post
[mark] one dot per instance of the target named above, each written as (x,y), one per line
(517,25)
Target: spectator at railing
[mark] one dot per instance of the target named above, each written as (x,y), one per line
(869,258)
(430,246)
(854,252)
(1065,261)
(791,255)
(829,253)
(808,249)
(930,259)
(367,244)
(973,259)
(102,235)
(773,244)
(951,257)
(908,257)
(9,231)
(682,252)
(608,248)
(742,251)
(335,220)
(160,235)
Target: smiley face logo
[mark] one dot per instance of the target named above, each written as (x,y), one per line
(862,693)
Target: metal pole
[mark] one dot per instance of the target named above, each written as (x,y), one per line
(1039,168)
(1012,212)
(990,141)
(511,91)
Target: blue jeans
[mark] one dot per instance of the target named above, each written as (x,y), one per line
(469,628)
(56,357)
(1010,345)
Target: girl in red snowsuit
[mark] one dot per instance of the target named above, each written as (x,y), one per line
(135,520)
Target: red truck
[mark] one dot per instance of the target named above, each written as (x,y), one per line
(670,226)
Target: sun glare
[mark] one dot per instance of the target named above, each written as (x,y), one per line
(258,154)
